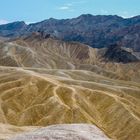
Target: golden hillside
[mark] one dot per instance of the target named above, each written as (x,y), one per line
(47,81)
(40,97)
(37,52)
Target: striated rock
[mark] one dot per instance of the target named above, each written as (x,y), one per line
(40,97)
(39,51)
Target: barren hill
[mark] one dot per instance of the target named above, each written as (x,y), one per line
(38,97)
(38,52)
(45,81)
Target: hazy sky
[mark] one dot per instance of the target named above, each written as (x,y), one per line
(37,10)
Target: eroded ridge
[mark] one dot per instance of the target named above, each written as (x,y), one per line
(39,97)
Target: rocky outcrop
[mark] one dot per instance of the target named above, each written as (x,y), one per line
(119,54)
(65,132)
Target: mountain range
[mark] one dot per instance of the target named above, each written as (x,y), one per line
(96,31)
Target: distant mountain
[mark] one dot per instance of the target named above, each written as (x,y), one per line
(96,31)
(12,29)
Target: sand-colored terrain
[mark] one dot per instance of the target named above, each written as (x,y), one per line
(35,97)
(8,131)
(37,52)
(45,82)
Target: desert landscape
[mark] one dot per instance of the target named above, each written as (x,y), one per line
(45,81)
(67,85)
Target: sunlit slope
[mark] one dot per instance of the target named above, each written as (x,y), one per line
(46,53)
(43,97)
(8,131)
(37,52)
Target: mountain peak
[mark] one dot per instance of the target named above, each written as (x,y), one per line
(100,16)
(86,15)
(14,25)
